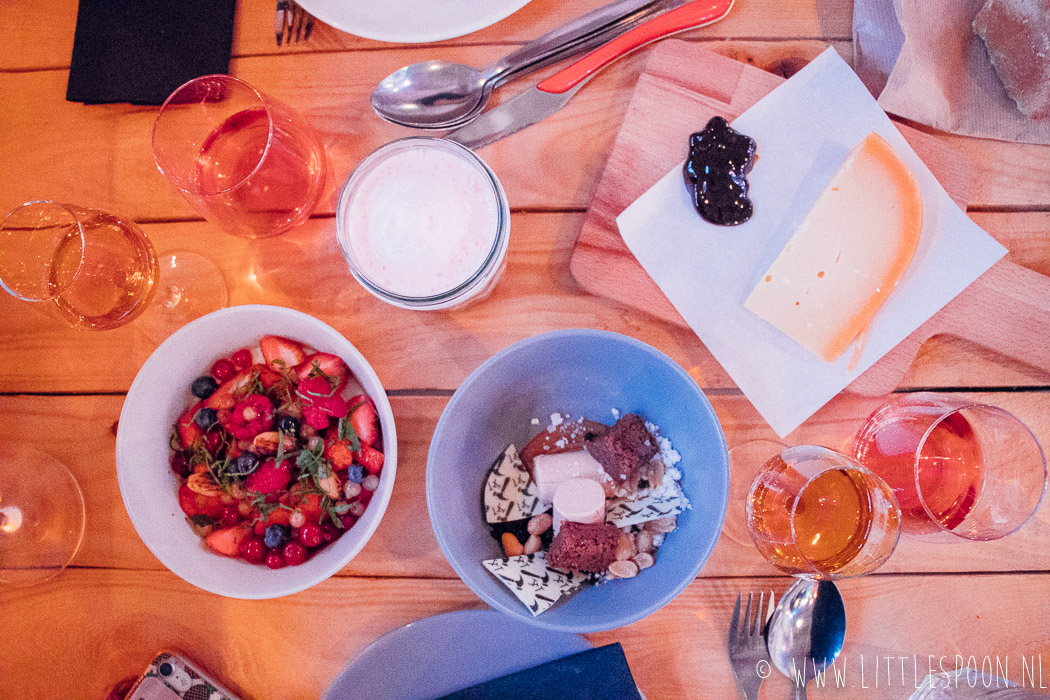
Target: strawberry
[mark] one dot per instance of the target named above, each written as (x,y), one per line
(279,516)
(225,397)
(188,430)
(285,352)
(193,503)
(316,393)
(228,540)
(339,452)
(364,420)
(269,477)
(315,417)
(370,458)
(308,504)
(326,364)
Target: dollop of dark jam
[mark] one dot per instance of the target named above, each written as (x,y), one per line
(719,159)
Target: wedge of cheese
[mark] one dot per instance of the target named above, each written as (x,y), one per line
(847,255)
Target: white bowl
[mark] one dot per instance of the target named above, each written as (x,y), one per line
(160,393)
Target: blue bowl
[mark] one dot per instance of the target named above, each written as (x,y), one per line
(580,373)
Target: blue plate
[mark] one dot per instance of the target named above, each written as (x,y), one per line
(441,654)
(583,373)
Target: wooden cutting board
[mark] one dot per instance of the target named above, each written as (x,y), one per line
(684,85)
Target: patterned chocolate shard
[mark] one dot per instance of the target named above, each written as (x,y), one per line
(510,494)
(533,582)
(623,512)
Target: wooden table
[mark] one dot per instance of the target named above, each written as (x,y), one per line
(102,619)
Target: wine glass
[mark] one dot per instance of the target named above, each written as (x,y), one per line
(816,513)
(245,161)
(41,516)
(99,271)
(959,469)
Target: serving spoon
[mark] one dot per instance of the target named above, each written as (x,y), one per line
(806,631)
(442,94)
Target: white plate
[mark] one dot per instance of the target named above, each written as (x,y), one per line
(411,21)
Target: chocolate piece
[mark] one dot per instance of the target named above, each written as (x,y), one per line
(719,159)
(1017,36)
(625,449)
(584,547)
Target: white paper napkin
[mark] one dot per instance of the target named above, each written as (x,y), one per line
(804,129)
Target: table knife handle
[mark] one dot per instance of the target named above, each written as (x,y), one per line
(696,14)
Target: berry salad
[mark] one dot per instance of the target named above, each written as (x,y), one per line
(278,454)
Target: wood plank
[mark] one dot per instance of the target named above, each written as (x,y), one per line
(23,23)
(294,647)
(84,440)
(100,155)
(413,350)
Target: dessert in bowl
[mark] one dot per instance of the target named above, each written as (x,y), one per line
(213,510)
(568,376)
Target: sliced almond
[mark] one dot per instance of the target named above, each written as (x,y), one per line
(662,525)
(643,560)
(623,569)
(625,548)
(645,541)
(532,545)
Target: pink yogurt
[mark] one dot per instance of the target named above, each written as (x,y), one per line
(421,217)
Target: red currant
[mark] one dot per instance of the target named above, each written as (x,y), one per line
(253,549)
(179,464)
(229,517)
(294,554)
(311,535)
(223,370)
(213,441)
(242,359)
(274,560)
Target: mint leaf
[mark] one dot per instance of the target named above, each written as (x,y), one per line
(347,432)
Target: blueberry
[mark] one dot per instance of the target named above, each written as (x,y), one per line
(203,387)
(206,418)
(275,536)
(244,463)
(355,473)
(289,425)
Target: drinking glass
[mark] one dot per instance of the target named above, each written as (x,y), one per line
(817,513)
(959,469)
(98,269)
(41,516)
(244,161)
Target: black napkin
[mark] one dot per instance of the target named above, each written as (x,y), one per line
(139,51)
(598,674)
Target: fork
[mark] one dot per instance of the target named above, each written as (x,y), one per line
(292,23)
(747,644)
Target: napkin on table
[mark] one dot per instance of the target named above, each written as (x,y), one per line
(597,674)
(804,129)
(923,61)
(139,51)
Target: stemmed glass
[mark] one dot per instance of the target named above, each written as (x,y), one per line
(99,271)
(41,516)
(959,469)
(245,161)
(816,513)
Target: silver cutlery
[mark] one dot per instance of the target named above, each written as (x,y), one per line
(747,643)
(293,23)
(443,94)
(806,631)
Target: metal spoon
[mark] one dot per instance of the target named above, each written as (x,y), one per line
(806,631)
(442,94)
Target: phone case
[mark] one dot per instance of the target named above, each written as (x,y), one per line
(172,677)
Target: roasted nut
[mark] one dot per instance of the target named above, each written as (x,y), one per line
(330,485)
(662,525)
(203,484)
(540,523)
(532,545)
(625,548)
(511,545)
(645,541)
(623,569)
(643,560)
(266,443)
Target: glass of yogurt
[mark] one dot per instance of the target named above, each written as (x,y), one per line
(423,224)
